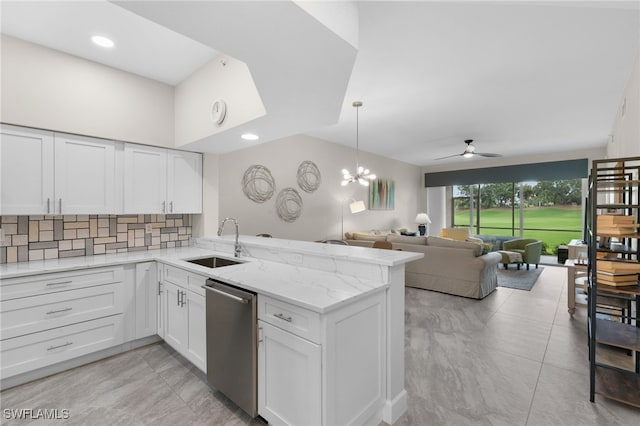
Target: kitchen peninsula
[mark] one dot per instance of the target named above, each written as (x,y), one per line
(349,302)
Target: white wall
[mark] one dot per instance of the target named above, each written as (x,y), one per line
(625,134)
(207,222)
(321,213)
(221,78)
(48,89)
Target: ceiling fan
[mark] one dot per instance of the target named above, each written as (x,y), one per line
(470,151)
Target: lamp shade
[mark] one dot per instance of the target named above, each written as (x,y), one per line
(422,219)
(357,206)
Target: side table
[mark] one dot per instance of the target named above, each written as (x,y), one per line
(573,268)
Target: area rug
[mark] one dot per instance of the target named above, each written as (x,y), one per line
(519,279)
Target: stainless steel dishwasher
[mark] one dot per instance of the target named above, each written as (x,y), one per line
(232,358)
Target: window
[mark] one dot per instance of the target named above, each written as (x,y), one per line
(550,211)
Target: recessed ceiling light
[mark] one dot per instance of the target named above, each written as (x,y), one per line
(250,137)
(102,41)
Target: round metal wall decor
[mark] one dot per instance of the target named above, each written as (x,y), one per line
(258,184)
(289,205)
(308,175)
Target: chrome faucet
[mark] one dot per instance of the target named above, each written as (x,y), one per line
(237,248)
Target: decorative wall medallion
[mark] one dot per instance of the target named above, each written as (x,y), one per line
(289,205)
(258,184)
(309,178)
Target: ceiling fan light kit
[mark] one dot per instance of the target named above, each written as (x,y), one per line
(362,175)
(470,152)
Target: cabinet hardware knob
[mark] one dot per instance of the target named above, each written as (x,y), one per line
(171,206)
(282,317)
(58,311)
(59,346)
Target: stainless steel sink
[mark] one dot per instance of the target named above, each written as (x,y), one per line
(213,262)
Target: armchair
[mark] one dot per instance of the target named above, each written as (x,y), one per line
(530,249)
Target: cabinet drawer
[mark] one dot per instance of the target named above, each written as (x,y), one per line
(26,353)
(299,321)
(185,279)
(34,285)
(176,276)
(37,313)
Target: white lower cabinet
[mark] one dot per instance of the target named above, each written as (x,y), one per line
(322,369)
(185,315)
(49,318)
(289,378)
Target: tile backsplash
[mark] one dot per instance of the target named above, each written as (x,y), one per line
(51,237)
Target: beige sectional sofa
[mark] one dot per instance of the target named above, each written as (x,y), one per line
(448,266)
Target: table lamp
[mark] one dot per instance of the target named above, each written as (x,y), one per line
(422,220)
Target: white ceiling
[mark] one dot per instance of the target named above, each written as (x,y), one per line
(518,78)
(142,47)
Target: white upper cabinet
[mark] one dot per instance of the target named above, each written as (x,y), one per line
(145,174)
(184,182)
(85,175)
(43,172)
(26,171)
(162,181)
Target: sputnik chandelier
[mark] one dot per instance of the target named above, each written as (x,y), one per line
(362,175)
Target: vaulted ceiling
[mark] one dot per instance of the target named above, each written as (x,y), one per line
(519,78)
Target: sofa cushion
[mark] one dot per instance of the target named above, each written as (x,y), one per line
(367,237)
(445,242)
(407,240)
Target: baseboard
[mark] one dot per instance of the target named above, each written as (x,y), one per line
(49,370)
(395,408)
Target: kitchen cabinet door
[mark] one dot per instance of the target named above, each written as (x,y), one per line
(146,299)
(289,378)
(197,333)
(145,177)
(85,175)
(184,182)
(175,332)
(26,171)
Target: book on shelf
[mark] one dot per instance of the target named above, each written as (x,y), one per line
(619,267)
(617,283)
(611,219)
(616,277)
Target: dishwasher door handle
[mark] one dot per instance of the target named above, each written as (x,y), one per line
(230,296)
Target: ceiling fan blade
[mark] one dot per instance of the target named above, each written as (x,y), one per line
(448,156)
(487,154)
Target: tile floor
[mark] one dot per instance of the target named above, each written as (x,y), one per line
(514,358)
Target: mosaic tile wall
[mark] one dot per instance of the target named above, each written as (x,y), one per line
(51,237)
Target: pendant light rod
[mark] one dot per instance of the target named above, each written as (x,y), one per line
(361,175)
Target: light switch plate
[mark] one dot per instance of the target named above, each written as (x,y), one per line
(147,228)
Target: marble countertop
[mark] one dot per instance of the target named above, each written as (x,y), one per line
(350,253)
(312,289)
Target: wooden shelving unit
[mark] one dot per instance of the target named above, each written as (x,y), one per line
(614,206)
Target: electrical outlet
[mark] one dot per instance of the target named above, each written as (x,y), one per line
(1,236)
(147,228)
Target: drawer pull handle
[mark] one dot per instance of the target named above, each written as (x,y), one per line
(282,317)
(59,346)
(58,311)
(59,283)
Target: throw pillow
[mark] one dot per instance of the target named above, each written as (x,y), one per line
(368,237)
